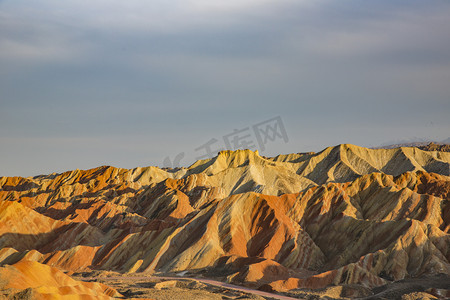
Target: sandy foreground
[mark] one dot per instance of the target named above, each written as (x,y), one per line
(185,288)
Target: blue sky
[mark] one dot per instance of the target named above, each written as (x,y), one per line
(129,83)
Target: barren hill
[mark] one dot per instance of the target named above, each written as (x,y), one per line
(436,147)
(345,215)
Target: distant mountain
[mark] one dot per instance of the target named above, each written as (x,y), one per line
(344,215)
(408,144)
(436,147)
(447,141)
(411,143)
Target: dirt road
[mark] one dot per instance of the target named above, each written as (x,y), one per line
(201,280)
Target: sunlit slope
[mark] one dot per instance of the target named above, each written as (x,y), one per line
(32,280)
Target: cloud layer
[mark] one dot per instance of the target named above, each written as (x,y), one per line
(165,77)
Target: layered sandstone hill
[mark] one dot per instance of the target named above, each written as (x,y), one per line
(345,215)
(32,280)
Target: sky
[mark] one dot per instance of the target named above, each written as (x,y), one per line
(138,83)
